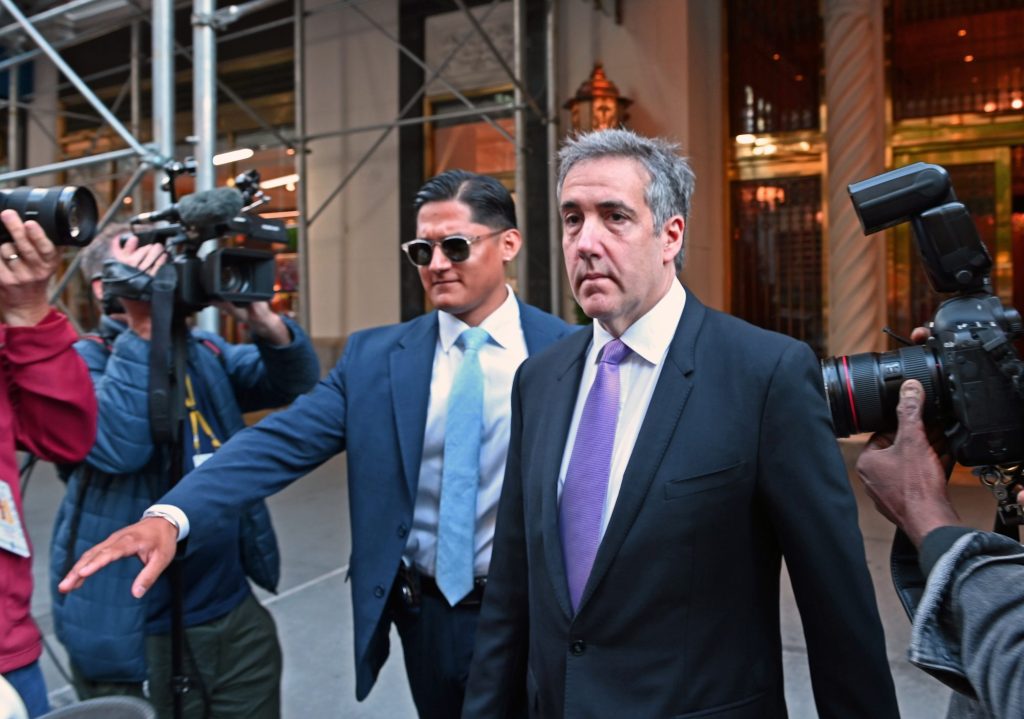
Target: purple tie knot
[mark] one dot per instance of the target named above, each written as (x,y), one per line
(614,352)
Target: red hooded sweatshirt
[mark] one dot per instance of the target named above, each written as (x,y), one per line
(47,407)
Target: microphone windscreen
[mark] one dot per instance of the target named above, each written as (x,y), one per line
(211,207)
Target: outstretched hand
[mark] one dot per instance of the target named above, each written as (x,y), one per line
(904,476)
(153,540)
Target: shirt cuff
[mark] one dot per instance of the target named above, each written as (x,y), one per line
(936,543)
(172,514)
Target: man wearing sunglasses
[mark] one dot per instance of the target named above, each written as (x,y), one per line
(422,410)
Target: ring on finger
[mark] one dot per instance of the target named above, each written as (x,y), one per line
(12,257)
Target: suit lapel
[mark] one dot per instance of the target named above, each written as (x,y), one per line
(534,330)
(656,431)
(411,367)
(560,396)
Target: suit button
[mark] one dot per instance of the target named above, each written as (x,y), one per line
(402,530)
(378,591)
(578,647)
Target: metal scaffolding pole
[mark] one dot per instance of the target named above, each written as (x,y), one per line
(204,119)
(54,12)
(422,120)
(301,165)
(12,121)
(408,106)
(553,137)
(513,75)
(518,32)
(426,68)
(57,60)
(135,80)
(205,20)
(68,164)
(162,34)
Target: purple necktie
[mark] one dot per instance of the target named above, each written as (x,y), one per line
(586,479)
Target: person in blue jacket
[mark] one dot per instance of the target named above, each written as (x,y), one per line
(115,642)
(420,553)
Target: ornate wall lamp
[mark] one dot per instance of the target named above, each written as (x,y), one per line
(597,104)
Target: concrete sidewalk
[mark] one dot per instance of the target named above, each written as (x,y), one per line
(313,608)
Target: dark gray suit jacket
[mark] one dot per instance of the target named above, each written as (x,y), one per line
(735,467)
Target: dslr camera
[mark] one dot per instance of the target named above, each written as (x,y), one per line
(66,214)
(970,370)
(231,274)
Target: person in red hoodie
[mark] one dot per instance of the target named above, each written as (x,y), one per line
(47,407)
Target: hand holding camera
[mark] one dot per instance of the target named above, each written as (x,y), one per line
(28,259)
(146,260)
(262,321)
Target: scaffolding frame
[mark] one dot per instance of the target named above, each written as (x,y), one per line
(207,21)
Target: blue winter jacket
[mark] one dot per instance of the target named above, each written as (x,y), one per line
(101,625)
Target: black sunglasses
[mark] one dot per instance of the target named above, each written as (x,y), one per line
(455,247)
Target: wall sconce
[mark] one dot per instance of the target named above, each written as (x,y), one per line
(597,104)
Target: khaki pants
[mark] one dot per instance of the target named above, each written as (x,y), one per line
(234,664)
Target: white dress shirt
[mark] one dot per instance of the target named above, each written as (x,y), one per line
(649,338)
(500,357)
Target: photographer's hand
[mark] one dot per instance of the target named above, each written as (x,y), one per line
(263,322)
(27,262)
(153,540)
(147,259)
(905,477)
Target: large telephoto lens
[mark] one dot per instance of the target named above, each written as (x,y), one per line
(863,389)
(66,214)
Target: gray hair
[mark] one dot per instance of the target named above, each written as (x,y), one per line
(671,183)
(96,252)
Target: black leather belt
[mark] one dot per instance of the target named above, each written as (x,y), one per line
(411,585)
(473,599)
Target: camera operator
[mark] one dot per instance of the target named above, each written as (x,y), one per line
(47,408)
(232,656)
(967,623)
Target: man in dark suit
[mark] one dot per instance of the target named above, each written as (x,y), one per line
(422,411)
(659,469)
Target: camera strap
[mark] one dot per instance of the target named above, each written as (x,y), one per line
(166,398)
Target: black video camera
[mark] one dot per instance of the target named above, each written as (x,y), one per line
(231,274)
(66,214)
(970,370)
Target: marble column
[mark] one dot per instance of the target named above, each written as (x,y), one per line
(855,137)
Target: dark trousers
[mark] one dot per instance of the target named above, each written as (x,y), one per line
(437,641)
(234,664)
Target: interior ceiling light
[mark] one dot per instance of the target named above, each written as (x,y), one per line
(226,158)
(279,181)
(745,139)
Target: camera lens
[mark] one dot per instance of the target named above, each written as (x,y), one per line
(863,389)
(233,278)
(66,214)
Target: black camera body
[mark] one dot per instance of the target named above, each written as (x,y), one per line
(228,274)
(970,370)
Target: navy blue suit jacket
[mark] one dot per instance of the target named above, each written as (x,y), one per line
(734,468)
(373,406)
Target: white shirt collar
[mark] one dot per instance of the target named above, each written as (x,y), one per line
(500,324)
(650,336)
